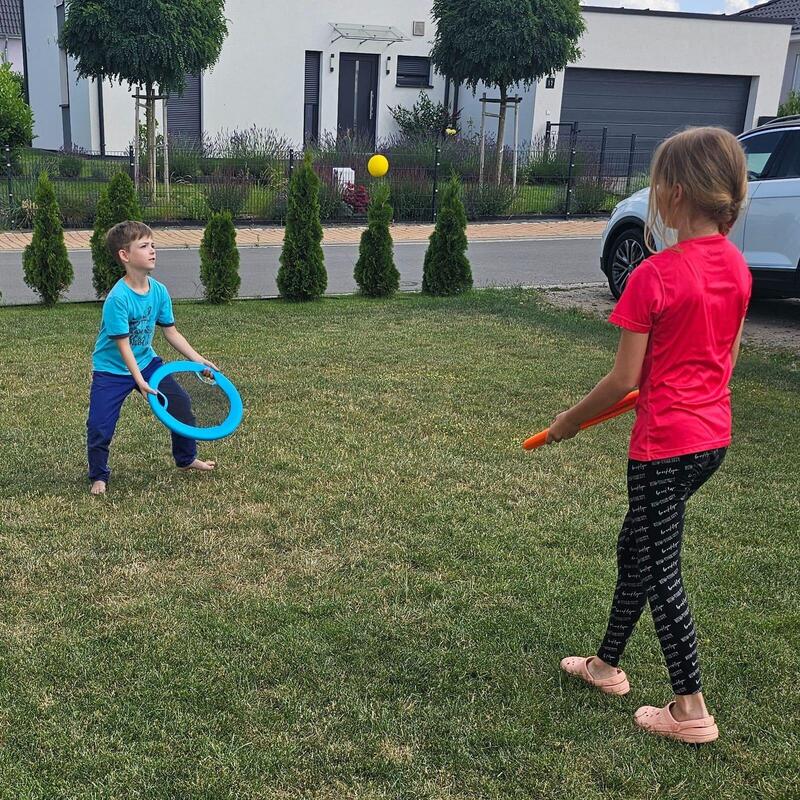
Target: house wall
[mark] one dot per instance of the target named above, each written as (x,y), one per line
(666,43)
(259,79)
(791,75)
(44,87)
(11,51)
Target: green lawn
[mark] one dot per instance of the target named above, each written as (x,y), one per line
(370,598)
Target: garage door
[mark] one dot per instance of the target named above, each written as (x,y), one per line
(652,104)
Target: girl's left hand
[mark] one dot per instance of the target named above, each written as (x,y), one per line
(562,427)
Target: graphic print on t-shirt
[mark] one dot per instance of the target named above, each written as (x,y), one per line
(141,331)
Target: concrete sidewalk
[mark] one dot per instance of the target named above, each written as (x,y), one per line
(340,234)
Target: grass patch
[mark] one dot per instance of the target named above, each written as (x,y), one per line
(371,596)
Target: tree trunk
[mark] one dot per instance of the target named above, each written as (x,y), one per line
(501,134)
(150,116)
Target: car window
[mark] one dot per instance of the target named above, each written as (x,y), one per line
(788,164)
(759,150)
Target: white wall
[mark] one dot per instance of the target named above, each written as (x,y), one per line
(678,44)
(44,88)
(259,78)
(792,64)
(11,51)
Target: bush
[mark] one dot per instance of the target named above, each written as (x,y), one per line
(219,259)
(446,270)
(546,166)
(227,196)
(588,197)
(117,203)
(424,120)
(302,275)
(412,195)
(488,200)
(331,202)
(355,196)
(375,271)
(70,165)
(45,262)
(77,210)
(791,106)
(16,117)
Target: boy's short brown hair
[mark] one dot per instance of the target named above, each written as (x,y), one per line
(122,236)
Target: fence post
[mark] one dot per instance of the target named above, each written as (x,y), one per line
(435,180)
(8,178)
(291,163)
(630,164)
(573,145)
(131,163)
(602,155)
(547,130)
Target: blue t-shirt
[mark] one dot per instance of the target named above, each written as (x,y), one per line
(129,314)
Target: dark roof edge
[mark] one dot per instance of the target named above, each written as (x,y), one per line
(687,15)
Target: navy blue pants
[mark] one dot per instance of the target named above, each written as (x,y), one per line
(106,397)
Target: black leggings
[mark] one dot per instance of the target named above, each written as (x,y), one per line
(649,562)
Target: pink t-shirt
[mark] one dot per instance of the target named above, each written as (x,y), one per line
(691,299)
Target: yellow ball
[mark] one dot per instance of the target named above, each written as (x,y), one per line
(378,165)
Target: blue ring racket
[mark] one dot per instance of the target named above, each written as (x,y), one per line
(230,397)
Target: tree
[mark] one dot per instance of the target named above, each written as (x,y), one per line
(301,275)
(504,42)
(446,269)
(117,203)
(45,263)
(16,117)
(375,272)
(145,43)
(219,259)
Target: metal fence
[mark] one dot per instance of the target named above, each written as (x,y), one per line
(569,173)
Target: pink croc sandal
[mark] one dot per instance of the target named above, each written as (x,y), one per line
(577,666)
(661,722)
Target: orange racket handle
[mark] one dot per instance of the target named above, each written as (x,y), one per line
(621,407)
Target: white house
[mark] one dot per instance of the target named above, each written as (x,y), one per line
(11,34)
(307,67)
(783,10)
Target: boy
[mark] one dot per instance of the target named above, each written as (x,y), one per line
(124,358)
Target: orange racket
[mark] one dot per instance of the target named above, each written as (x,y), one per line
(622,407)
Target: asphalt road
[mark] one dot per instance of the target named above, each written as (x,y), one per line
(511,262)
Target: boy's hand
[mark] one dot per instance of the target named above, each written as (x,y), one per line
(562,427)
(146,389)
(211,366)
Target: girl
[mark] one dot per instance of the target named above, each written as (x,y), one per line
(681,315)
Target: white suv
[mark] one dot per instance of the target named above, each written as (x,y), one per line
(768,229)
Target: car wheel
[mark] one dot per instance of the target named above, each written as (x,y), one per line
(627,251)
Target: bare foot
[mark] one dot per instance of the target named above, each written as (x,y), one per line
(98,487)
(203,466)
(689,706)
(599,669)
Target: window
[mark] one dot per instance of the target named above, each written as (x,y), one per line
(311,96)
(788,164)
(759,149)
(796,78)
(414,71)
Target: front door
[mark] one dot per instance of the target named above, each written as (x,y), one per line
(358,96)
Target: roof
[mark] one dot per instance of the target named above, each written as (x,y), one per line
(646,12)
(11,17)
(776,9)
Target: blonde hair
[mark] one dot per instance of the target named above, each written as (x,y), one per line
(710,166)
(124,234)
